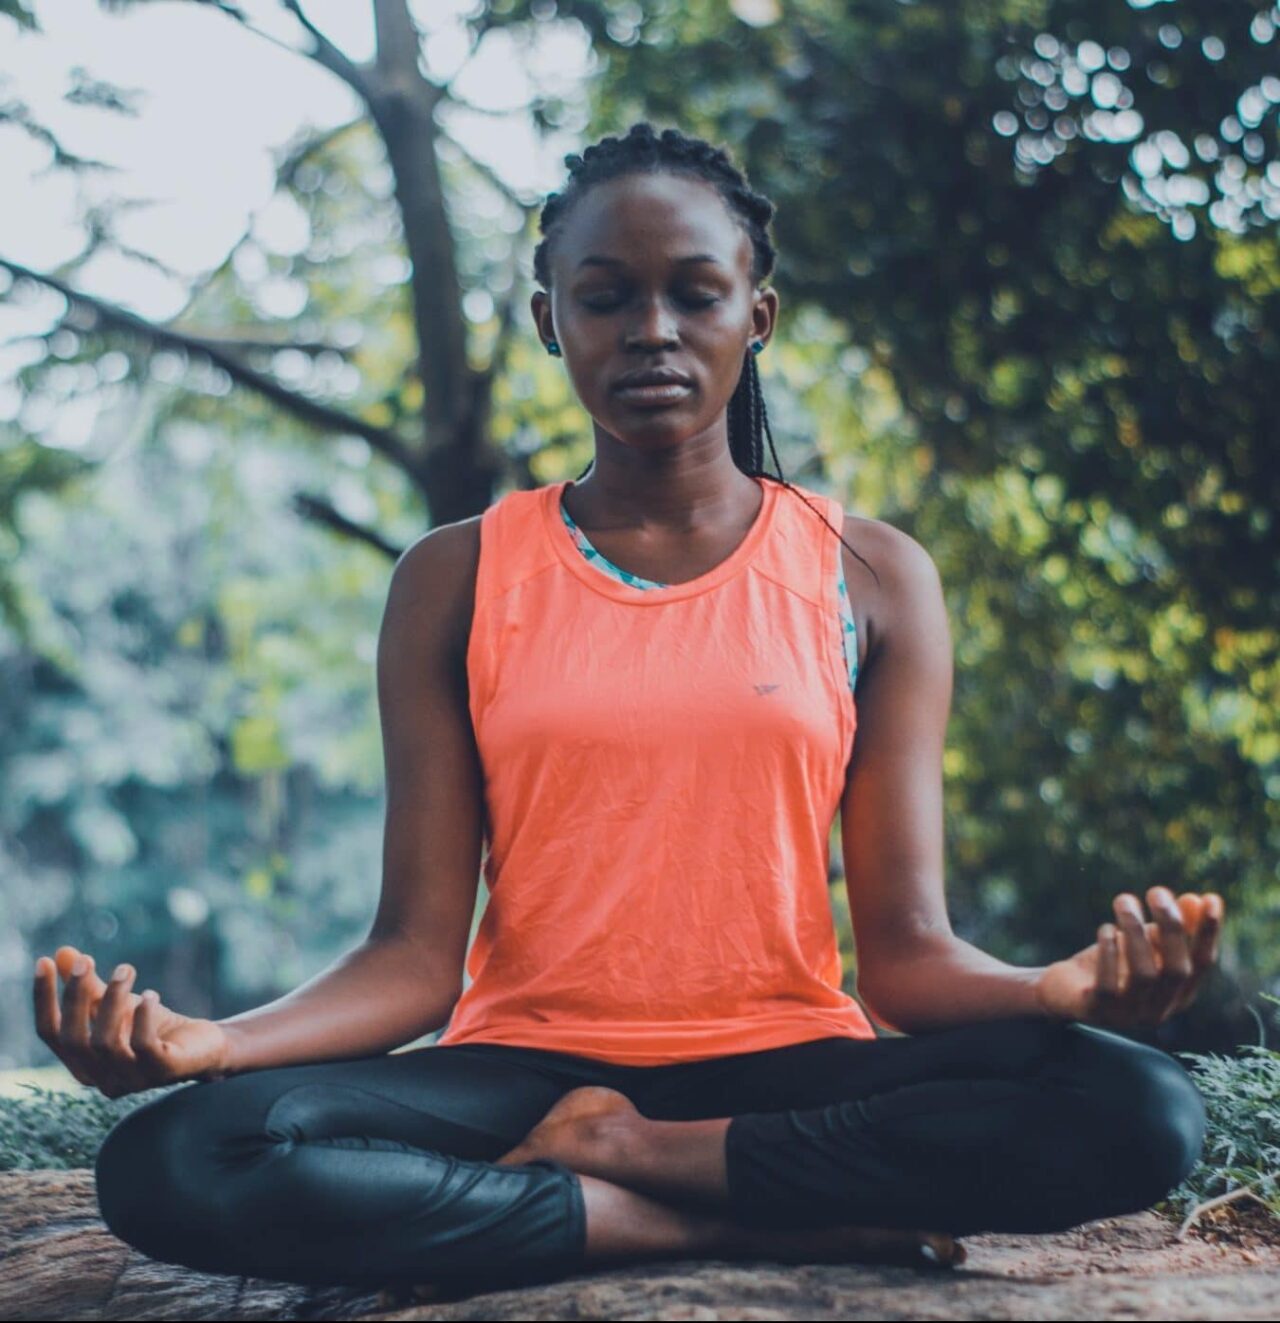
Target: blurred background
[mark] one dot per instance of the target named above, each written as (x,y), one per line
(264,289)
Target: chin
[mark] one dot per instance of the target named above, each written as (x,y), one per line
(669,425)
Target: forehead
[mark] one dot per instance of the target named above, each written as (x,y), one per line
(643,218)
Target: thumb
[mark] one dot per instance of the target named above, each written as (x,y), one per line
(145,1037)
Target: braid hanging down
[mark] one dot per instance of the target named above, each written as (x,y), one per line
(643,150)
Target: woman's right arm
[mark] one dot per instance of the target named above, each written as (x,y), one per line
(402,980)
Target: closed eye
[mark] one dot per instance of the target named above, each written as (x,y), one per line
(611,305)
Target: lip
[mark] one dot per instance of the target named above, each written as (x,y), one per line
(655,395)
(661,376)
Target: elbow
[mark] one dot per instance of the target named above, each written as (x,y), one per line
(877,981)
(438,1005)
(903,985)
(876,995)
(883,1012)
(899,996)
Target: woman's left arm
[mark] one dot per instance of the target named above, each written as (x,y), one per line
(914,973)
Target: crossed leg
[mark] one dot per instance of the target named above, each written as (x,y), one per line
(389,1169)
(1020,1124)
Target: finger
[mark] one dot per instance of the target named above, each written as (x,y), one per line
(49,1015)
(77,1005)
(1192,907)
(1139,953)
(1204,947)
(111,1012)
(1173,950)
(1108,985)
(111,1024)
(44,994)
(65,958)
(73,1017)
(1204,950)
(145,1039)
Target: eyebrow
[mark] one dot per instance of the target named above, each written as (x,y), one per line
(596,260)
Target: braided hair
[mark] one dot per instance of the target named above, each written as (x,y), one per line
(643,150)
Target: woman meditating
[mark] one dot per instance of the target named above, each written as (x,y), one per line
(639,690)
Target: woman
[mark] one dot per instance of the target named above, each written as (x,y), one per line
(638,691)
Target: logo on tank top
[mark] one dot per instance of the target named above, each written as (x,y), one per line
(764,688)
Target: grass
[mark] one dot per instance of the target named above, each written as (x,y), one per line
(1241,1154)
(59,1123)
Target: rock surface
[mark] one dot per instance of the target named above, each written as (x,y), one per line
(58,1261)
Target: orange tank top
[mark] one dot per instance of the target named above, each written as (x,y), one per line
(662,769)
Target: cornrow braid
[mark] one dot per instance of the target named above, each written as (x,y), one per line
(643,150)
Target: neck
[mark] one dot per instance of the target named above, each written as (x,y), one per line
(679,488)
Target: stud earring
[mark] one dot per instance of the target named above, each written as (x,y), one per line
(757,346)
(553,348)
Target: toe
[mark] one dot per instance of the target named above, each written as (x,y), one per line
(943,1251)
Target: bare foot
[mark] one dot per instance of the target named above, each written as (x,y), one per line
(576,1129)
(588,1130)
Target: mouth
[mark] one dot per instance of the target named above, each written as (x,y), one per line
(654,394)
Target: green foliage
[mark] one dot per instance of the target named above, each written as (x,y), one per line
(1242,1143)
(60,1127)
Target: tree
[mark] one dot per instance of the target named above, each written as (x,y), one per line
(190,757)
(432,421)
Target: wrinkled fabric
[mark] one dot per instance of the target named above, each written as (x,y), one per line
(662,769)
(366,1172)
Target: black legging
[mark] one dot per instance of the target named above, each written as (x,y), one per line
(378,1171)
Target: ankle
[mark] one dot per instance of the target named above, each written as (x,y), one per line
(625,1224)
(616,1142)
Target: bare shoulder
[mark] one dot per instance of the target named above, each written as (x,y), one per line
(434,581)
(434,795)
(904,581)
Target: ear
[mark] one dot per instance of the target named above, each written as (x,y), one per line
(764,314)
(540,306)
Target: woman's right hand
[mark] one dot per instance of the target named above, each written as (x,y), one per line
(115,1040)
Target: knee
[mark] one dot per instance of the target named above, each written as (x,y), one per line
(1168,1124)
(145,1171)
(1152,1118)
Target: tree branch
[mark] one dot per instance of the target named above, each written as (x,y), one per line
(295,156)
(326,53)
(399,44)
(239,341)
(1241,1192)
(317,509)
(313,412)
(490,175)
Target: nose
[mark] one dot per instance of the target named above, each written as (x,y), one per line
(654,327)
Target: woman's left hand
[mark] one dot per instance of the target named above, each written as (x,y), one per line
(1137,974)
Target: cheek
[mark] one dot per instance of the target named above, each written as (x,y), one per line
(721,341)
(587,354)
(724,360)
(589,377)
